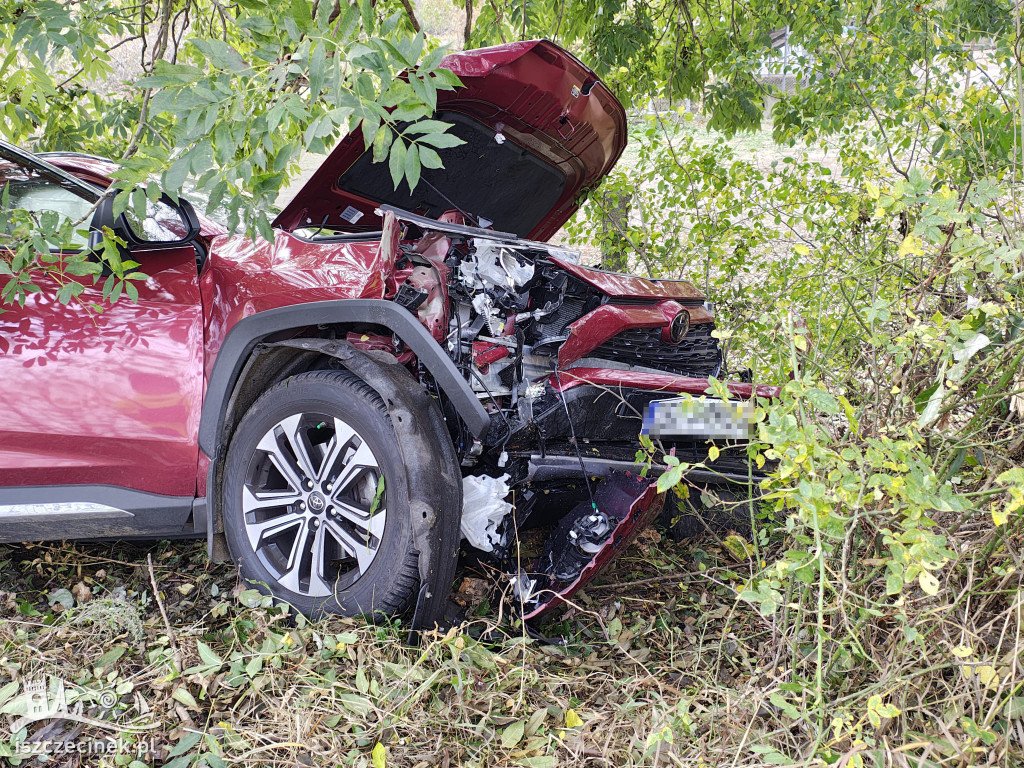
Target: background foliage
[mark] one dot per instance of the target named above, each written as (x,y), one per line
(872,258)
(860,235)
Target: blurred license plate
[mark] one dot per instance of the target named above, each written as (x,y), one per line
(684,417)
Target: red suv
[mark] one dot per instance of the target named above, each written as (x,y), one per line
(337,408)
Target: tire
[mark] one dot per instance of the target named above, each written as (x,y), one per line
(327,547)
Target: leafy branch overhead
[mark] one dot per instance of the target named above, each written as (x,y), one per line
(219,102)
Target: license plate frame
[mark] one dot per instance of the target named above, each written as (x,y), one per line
(702,418)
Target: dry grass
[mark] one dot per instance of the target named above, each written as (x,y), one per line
(663,667)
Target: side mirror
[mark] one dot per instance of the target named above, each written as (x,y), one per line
(166,224)
(95,240)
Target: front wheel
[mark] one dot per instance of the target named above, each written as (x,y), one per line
(316,510)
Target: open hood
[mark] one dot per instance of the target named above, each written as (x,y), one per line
(540,130)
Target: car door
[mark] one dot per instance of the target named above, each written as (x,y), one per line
(101,401)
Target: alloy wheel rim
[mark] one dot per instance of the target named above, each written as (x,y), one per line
(314,504)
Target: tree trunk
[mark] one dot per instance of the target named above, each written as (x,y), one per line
(615,248)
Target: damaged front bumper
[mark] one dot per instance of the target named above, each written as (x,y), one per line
(579,452)
(586,540)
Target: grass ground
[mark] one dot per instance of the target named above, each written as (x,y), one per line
(656,654)
(662,667)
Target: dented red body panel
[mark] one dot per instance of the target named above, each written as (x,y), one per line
(244,276)
(592,330)
(619,286)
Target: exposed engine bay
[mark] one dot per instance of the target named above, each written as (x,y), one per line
(567,370)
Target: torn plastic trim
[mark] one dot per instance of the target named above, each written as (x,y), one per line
(483,509)
(435,498)
(645,505)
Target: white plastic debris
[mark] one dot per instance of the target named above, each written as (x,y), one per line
(497,265)
(483,508)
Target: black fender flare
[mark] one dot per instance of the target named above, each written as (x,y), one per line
(415,415)
(250,331)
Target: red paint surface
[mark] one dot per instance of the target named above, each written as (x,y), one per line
(244,276)
(109,398)
(528,88)
(619,286)
(592,330)
(659,382)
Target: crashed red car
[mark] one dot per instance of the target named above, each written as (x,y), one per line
(396,371)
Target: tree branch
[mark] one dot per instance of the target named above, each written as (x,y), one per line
(412,14)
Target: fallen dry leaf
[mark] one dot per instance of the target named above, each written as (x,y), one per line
(81,593)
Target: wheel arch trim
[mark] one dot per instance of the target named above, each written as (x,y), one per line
(243,338)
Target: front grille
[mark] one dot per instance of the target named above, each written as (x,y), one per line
(697,355)
(557,322)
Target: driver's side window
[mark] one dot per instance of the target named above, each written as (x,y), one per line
(38,196)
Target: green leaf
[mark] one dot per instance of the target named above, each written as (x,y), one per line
(9,690)
(379,756)
(366,10)
(68,291)
(788,709)
(182,695)
(111,657)
(544,761)
(823,401)
(412,166)
(301,14)
(1014,708)
(893,584)
(220,54)
(207,655)
(381,143)
(62,596)
(355,703)
(442,140)
(396,162)
(428,126)
(174,177)
(513,734)
(188,741)
(251,598)
(672,477)
(429,158)
(1015,476)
